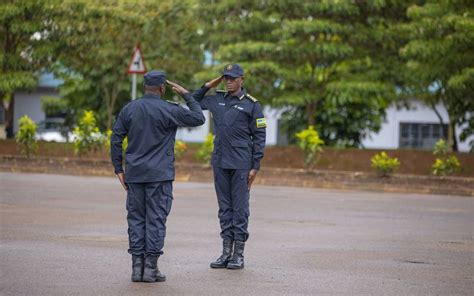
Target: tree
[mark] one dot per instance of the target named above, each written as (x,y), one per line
(27,47)
(440,54)
(98,39)
(321,60)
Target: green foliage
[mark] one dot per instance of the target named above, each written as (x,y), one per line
(384,165)
(308,140)
(334,63)
(204,153)
(108,137)
(445,164)
(54,106)
(179,149)
(440,148)
(26,47)
(97,41)
(439,54)
(26,135)
(87,135)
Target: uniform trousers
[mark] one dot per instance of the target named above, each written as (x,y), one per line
(233,200)
(148,206)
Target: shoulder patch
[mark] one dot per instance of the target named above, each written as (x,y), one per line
(261,122)
(173,102)
(251,98)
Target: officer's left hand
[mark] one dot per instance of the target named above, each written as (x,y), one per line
(252,175)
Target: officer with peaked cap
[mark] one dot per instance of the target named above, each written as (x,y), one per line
(238,149)
(150,123)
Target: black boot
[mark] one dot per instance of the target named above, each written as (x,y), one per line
(137,268)
(151,273)
(237,261)
(221,262)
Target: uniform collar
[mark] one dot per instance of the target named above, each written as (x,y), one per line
(152,96)
(239,96)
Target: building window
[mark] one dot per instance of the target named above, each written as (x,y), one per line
(421,135)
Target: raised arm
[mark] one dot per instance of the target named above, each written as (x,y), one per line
(184,117)
(200,94)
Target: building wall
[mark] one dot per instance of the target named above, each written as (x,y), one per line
(389,135)
(29,103)
(194,134)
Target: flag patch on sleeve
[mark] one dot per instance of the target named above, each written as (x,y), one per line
(261,122)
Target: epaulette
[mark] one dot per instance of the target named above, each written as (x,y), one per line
(173,102)
(251,98)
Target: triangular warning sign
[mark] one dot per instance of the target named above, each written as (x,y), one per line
(137,64)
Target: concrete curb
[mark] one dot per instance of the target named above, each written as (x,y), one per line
(268,176)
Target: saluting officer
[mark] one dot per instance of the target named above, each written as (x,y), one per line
(150,123)
(238,149)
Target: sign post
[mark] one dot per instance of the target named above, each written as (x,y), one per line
(136,66)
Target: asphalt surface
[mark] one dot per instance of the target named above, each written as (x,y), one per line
(67,235)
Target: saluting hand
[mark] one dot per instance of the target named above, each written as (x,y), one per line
(177,88)
(214,82)
(121,177)
(251,178)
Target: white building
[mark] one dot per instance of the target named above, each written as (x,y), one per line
(29,102)
(416,127)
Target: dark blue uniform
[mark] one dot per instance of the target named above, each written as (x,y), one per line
(150,123)
(238,147)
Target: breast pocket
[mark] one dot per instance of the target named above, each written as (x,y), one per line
(235,116)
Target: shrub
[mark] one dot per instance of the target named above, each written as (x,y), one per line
(87,135)
(26,135)
(179,148)
(445,164)
(384,165)
(308,140)
(204,152)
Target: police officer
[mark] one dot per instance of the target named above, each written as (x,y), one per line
(150,123)
(238,149)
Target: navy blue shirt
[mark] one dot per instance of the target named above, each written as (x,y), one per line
(239,126)
(150,123)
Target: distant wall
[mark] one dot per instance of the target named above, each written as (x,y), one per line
(29,103)
(389,135)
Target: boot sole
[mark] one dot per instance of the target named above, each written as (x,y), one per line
(135,280)
(218,266)
(235,267)
(158,280)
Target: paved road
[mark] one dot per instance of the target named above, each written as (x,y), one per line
(66,235)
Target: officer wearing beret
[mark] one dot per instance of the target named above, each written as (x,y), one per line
(150,123)
(238,149)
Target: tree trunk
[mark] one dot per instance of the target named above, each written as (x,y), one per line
(9,116)
(310,111)
(452,142)
(433,106)
(111,106)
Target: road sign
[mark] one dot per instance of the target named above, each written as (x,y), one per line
(137,64)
